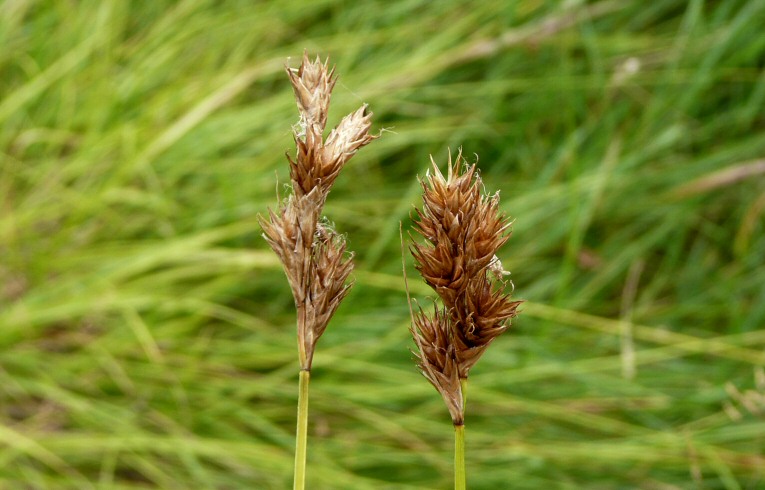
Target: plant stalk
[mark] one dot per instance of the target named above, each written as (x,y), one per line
(459,457)
(301,436)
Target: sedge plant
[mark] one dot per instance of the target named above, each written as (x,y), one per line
(312,253)
(462,230)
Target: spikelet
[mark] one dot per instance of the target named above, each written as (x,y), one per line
(437,360)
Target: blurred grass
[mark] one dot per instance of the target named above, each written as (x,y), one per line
(147,333)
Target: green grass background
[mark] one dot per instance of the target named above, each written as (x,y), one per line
(147,333)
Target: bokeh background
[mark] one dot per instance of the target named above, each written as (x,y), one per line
(147,333)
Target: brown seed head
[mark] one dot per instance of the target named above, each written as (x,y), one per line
(313,255)
(437,359)
(317,163)
(463,226)
(480,318)
(463,230)
(313,83)
(351,134)
(330,266)
(291,234)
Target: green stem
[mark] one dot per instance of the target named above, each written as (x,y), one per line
(459,457)
(301,437)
